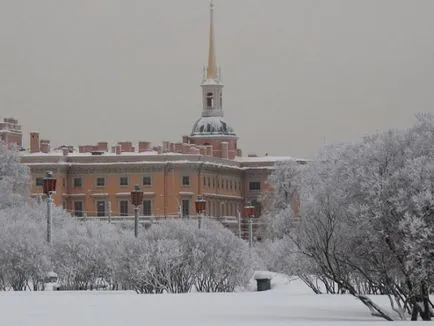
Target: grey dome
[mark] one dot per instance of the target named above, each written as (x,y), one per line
(212,126)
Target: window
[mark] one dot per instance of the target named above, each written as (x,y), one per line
(204,181)
(123,181)
(147,181)
(230,184)
(209,182)
(185,180)
(227,184)
(185,208)
(76,183)
(39,182)
(100,208)
(78,208)
(123,207)
(254,185)
(209,100)
(100,182)
(221,99)
(147,207)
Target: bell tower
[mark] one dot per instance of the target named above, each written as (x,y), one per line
(211,129)
(212,86)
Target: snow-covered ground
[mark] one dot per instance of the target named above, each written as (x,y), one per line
(289,302)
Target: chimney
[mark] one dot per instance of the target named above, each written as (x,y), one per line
(102,146)
(178,148)
(186,139)
(44,146)
(65,151)
(34,142)
(209,150)
(225,150)
(165,146)
(144,146)
(186,148)
(126,146)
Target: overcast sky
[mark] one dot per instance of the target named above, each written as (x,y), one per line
(297,73)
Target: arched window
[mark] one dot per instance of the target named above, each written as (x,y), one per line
(209,100)
(221,100)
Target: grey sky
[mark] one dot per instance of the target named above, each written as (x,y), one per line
(296,72)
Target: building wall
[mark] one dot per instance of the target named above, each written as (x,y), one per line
(221,187)
(227,185)
(10,132)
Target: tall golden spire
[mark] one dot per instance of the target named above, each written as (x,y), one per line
(212,63)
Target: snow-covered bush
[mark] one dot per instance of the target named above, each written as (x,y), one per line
(23,251)
(83,253)
(223,261)
(175,256)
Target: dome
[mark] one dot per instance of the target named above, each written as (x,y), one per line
(212,126)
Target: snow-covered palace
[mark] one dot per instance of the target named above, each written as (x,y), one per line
(95,181)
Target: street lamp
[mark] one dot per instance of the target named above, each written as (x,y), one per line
(136,200)
(200,208)
(249,211)
(49,186)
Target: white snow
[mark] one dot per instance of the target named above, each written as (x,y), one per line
(264,159)
(263,275)
(289,302)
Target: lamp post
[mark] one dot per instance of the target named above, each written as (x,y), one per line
(49,186)
(249,211)
(136,200)
(200,208)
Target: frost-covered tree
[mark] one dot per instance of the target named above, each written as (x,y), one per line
(23,251)
(366,218)
(14,177)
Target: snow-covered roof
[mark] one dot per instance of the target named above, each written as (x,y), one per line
(51,153)
(259,159)
(78,154)
(212,126)
(147,153)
